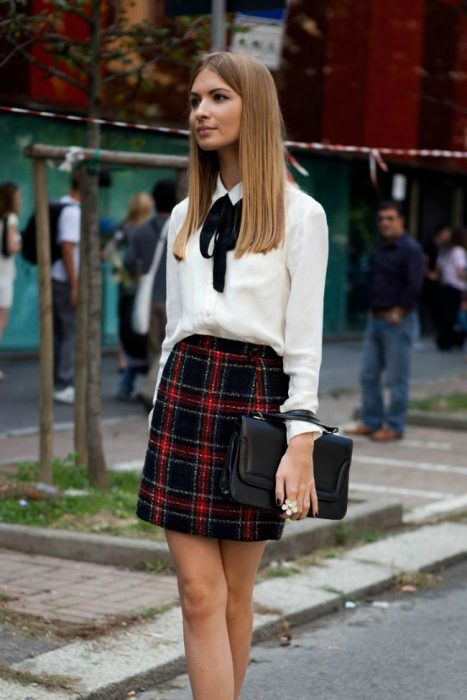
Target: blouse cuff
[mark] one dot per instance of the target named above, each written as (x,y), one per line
(296,427)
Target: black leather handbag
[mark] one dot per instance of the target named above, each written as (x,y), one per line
(256,448)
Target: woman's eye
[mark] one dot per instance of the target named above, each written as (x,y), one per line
(219,98)
(194,102)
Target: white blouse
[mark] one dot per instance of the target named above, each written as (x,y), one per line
(273,298)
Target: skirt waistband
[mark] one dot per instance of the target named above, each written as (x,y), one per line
(233,347)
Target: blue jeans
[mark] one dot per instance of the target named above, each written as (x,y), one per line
(387,348)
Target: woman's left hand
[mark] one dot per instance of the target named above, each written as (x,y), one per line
(295,480)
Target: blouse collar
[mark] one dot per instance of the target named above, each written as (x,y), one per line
(235,194)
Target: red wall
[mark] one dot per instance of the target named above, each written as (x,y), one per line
(394,68)
(343,109)
(374,53)
(44,88)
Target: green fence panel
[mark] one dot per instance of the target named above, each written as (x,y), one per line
(329,183)
(17,131)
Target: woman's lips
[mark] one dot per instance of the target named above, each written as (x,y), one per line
(204,130)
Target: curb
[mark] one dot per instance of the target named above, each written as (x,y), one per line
(299,538)
(153,652)
(429,419)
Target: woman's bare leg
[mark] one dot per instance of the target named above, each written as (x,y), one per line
(3,319)
(203,596)
(241,561)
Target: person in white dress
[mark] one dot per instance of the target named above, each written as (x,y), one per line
(10,244)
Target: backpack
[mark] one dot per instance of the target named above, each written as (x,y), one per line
(29,235)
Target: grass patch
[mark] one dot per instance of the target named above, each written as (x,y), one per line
(281,570)
(450,403)
(44,680)
(342,535)
(152,566)
(151,612)
(107,511)
(369,536)
(418,580)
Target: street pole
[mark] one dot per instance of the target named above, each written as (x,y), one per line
(218,25)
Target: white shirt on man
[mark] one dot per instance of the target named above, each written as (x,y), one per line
(69,230)
(273,299)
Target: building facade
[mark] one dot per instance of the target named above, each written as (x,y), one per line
(362,74)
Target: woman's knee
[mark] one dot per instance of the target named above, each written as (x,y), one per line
(200,598)
(239,603)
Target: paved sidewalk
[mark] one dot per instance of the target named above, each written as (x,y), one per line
(116,666)
(78,592)
(426,469)
(339,372)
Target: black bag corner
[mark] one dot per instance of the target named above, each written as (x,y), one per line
(256,449)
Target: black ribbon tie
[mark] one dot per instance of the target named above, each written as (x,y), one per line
(219,234)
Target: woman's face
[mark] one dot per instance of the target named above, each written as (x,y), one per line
(443,236)
(216,112)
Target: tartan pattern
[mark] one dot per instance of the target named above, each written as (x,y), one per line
(206,384)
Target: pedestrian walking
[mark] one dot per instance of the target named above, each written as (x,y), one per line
(451,266)
(247,256)
(392,326)
(65,273)
(10,244)
(133,345)
(139,259)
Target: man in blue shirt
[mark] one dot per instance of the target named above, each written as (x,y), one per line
(392,327)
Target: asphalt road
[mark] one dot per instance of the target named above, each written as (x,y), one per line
(339,372)
(392,647)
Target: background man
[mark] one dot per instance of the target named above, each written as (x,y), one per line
(392,326)
(65,293)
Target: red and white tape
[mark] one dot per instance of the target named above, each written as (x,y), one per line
(312,146)
(374,154)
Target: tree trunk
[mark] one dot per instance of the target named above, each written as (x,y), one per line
(46,330)
(90,205)
(80,416)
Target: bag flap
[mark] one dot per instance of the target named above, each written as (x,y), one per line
(263,443)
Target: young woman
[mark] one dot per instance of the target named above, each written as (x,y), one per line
(133,347)
(10,244)
(245,284)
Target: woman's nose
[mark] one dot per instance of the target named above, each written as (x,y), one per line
(202,109)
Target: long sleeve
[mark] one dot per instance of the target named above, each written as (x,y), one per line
(306,262)
(415,273)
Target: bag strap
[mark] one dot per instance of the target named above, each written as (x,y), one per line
(298,414)
(156,261)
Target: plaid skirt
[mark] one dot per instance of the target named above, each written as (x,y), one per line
(207,383)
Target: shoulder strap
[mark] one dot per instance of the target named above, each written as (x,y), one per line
(298,414)
(159,249)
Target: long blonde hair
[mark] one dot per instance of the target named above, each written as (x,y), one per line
(261,157)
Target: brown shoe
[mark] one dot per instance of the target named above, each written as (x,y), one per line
(360,430)
(385,434)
